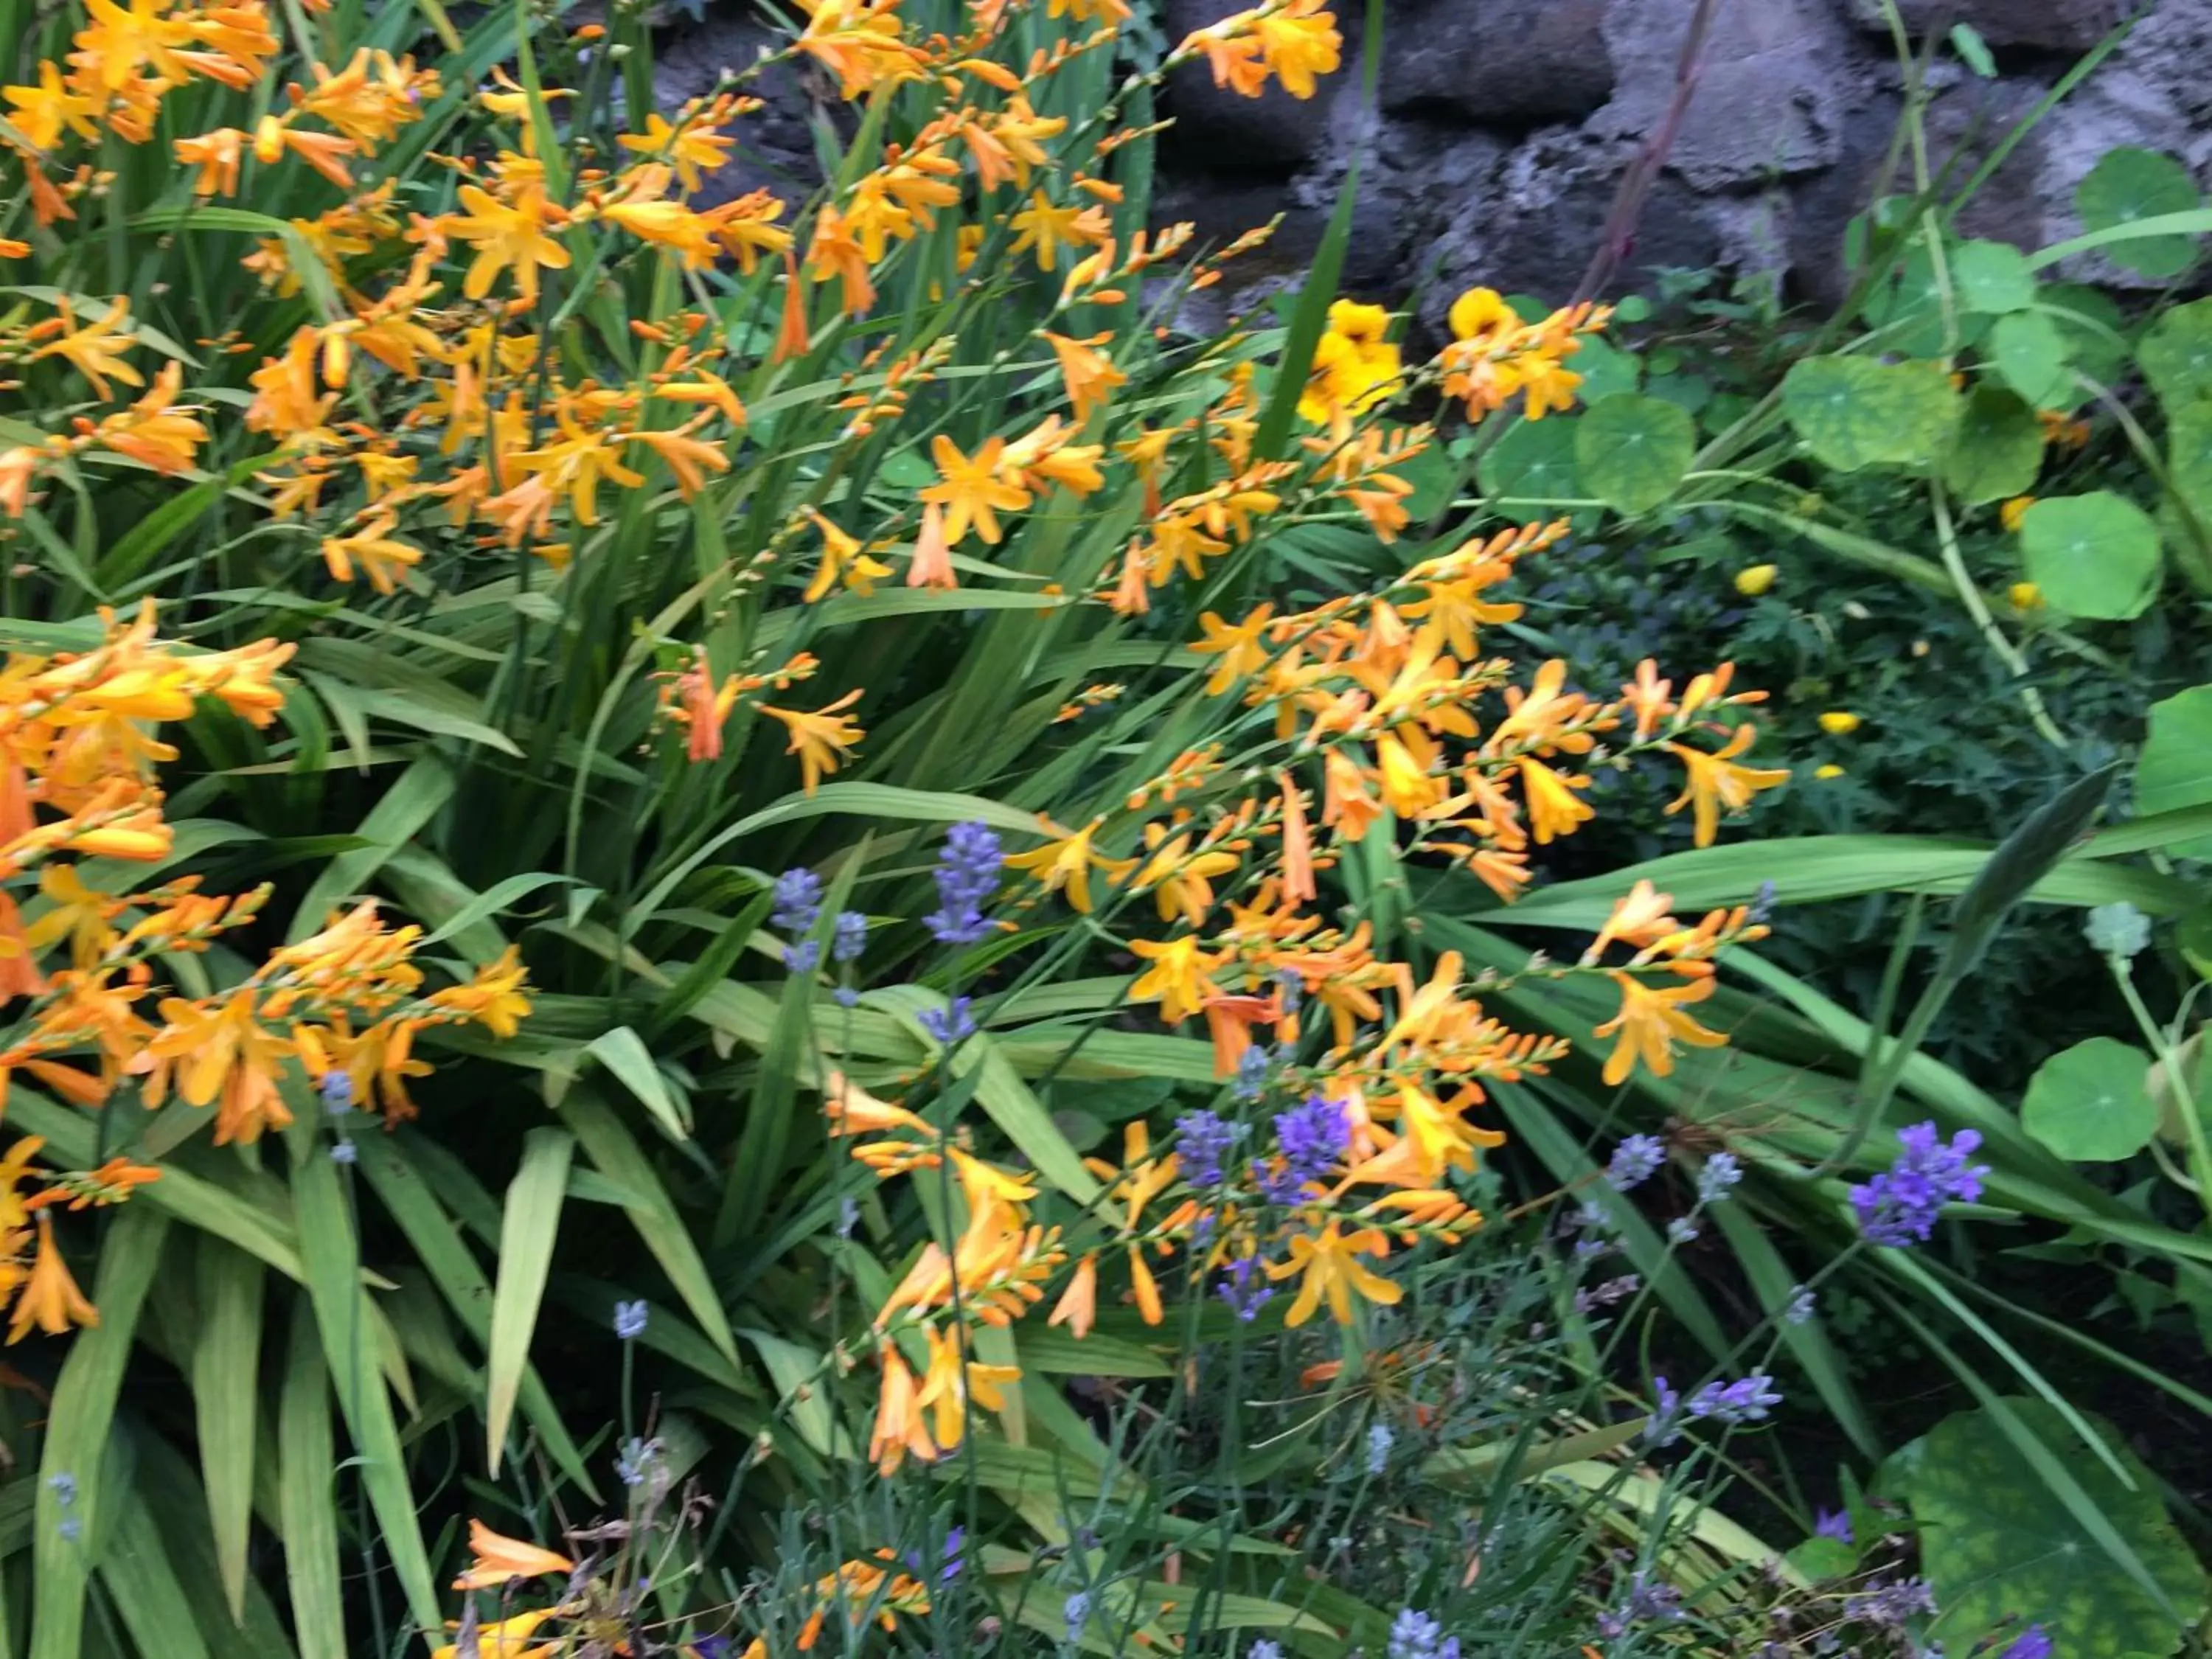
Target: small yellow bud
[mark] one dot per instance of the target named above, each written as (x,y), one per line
(1755,579)
(1839,722)
(2013,511)
(1831,771)
(2024,596)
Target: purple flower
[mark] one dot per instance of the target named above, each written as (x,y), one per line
(1744,1401)
(2033,1643)
(1311,1137)
(849,937)
(1645,1603)
(1243,1288)
(798,901)
(804,957)
(1900,1207)
(967,876)
(1415,1635)
(1379,1439)
(1681,1230)
(1251,1077)
(336,1088)
(1665,1426)
(630,1320)
(1718,1177)
(1890,1603)
(1800,1306)
(951,1024)
(1635,1161)
(1834,1524)
(955,1540)
(1202,1140)
(1588,1301)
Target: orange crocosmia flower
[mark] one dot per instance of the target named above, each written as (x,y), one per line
(1650,1022)
(1346,806)
(19,971)
(974,490)
(500,1559)
(151,432)
(504,234)
(932,563)
(822,740)
(1717,783)
(835,252)
(671,225)
(1330,1263)
(1091,377)
(1554,809)
(227,1056)
(1639,918)
(49,1299)
(1078,1307)
(1177,979)
(1066,861)
(1144,1289)
(899,1431)
(951,1381)
(378,552)
(843,560)
(508,1638)
(217,154)
(695,151)
(95,349)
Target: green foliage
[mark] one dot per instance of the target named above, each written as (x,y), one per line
(2089,1105)
(1999,1555)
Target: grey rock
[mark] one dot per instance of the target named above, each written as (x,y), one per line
(2047,25)
(1769,99)
(775,143)
(1496,63)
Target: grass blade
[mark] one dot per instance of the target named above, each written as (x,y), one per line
(225,1364)
(532,1218)
(306,1507)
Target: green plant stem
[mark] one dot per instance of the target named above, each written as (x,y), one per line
(1874,1092)
(1962,582)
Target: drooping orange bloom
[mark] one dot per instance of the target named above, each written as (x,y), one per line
(501,1560)
(49,1299)
(932,563)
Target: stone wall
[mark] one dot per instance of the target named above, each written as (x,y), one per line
(1502,128)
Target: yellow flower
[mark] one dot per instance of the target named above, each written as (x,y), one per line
(49,1299)
(493,997)
(1755,579)
(499,1559)
(1554,809)
(505,234)
(225,1053)
(1066,861)
(1179,880)
(1330,1261)
(843,560)
(1481,315)
(1827,770)
(2013,511)
(973,490)
(1177,979)
(95,350)
(1650,1022)
(698,149)
(822,740)
(1716,781)
(951,1381)
(1839,722)
(380,554)
(507,1639)
(2024,596)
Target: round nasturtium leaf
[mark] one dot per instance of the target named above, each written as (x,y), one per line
(1633,449)
(1853,412)
(2092,556)
(2088,1104)
(2176,354)
(2030,351)
(1533,462)
(1605,369)
(2174,770)
(1997,450)
(2189,457)
(1992,276)
(1907,306)
(2094,327)
(2130,184)
(2001,1551)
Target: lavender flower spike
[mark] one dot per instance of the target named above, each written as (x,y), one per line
(1899,1207)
